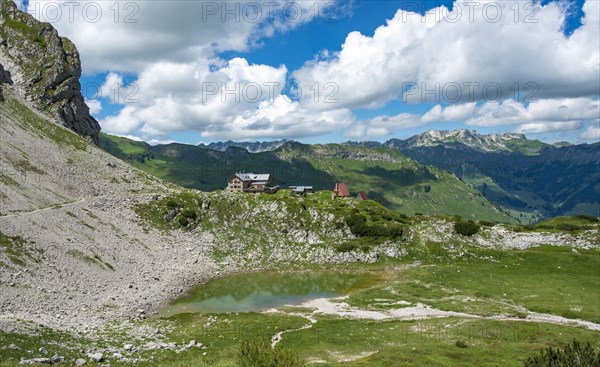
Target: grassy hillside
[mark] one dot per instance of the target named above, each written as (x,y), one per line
(283,226)
(385,174)
(531,187)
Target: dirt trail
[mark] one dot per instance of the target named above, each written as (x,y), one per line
(329,306)
(55,206)
(277,337)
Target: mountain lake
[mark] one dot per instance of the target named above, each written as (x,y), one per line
(257,291)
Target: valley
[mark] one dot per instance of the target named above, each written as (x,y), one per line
(115,252)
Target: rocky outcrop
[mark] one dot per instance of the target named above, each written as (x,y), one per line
(45,69)
(499,143)
(4,79)
(251,147)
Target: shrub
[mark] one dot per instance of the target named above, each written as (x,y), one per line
(569,227)
(189,214)
(359,227)
(396,231)
(345,247)
(172,204)
(589,218)
(465,228)
(183,221)
(260,354)
(460,344)
(572,355)
(486,223)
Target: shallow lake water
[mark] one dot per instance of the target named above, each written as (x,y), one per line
(258,291)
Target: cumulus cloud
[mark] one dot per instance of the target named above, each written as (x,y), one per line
(592,133)
(510,112)
(130,36)
(539,128)
(94,105)
(465,56)
(548,115)
(489,67)
(239,100)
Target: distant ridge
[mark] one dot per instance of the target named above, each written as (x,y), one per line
(252,147)
(505,143)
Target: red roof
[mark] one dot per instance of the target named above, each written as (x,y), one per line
(341,189)
(362,196)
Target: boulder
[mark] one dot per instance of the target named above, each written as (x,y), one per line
(96,357)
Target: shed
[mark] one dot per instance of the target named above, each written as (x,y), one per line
(341,190)
(362,196)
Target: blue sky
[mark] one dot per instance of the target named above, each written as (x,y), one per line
(285,50)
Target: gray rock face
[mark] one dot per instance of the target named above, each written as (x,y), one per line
(4,79)
(45,69)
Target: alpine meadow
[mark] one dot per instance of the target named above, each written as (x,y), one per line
(300,183)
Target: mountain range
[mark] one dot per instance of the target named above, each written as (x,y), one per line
(94,247)
(252,147)
(385,174)
(527,179)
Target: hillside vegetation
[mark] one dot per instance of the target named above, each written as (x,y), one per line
(529,179)
(386,175)
(262,229)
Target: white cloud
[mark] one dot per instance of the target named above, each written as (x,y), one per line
(443,56)
(592,133)
(384,125)
(543,116)
(237,101)
(172,51)
(540,127)
(545,111)
(160,142)
(94,105)
(451,113)
(130,36)
(149,141)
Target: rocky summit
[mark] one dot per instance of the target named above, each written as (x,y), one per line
(44,68)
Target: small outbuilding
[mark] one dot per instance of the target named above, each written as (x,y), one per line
(302,190)
(340,190)
(362,196)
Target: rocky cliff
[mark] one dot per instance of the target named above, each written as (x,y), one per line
(4,79)
(44,69)
(502,143)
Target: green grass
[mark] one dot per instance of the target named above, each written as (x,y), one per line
(565,224)
(428,342)
(7,180)
(90,259)
(559,283)
(18,250)
(384,174)
(264,222)
(55,342)
(32,122)
(498,285)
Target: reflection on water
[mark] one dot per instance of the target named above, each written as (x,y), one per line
(263,290)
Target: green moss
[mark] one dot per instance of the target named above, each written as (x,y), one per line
(465,228)
(32,122)
(93,260)
(25,166)
(19,250)
(8,181)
